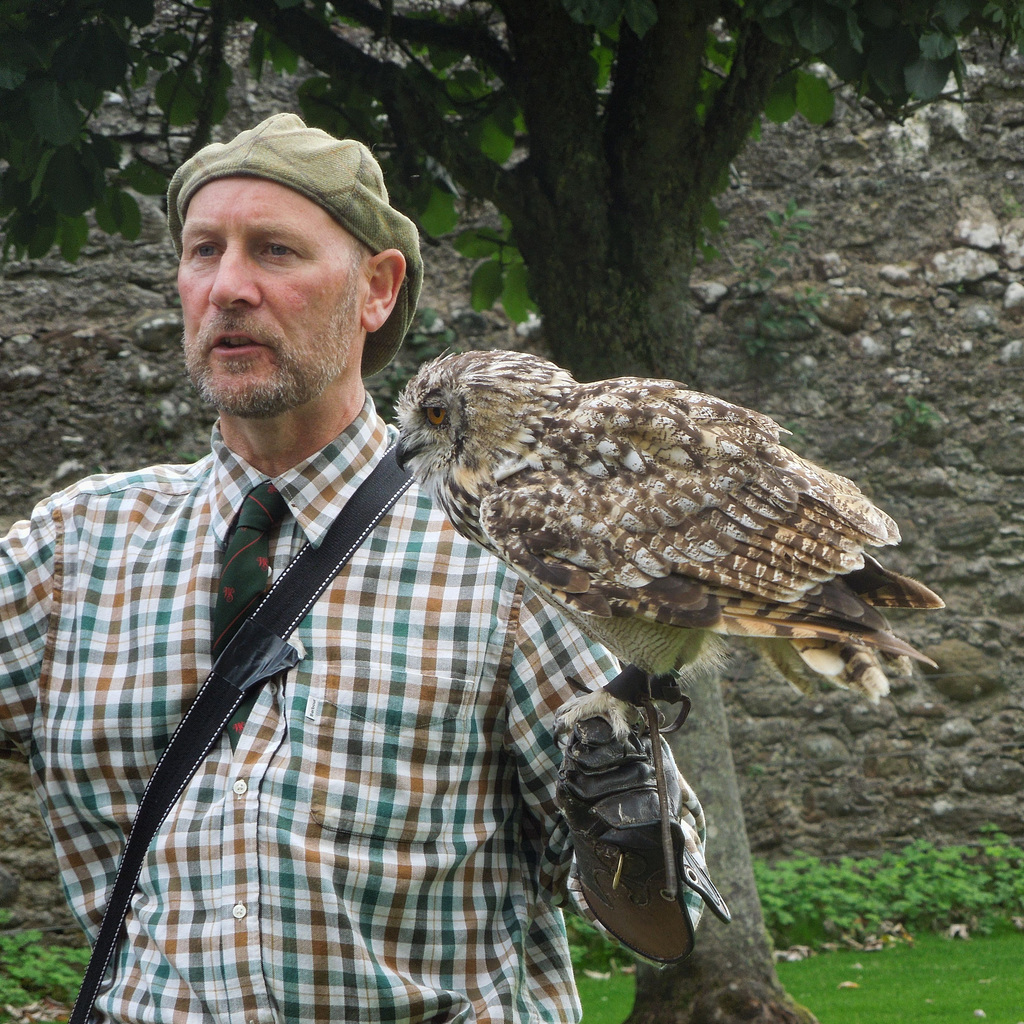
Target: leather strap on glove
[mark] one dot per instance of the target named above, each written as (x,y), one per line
(607,790)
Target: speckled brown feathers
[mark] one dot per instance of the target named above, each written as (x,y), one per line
(659,518)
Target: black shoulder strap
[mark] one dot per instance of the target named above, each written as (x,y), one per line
(256,652)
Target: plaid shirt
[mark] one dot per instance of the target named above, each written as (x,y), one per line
(383,844)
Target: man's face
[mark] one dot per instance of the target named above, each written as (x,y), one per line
(271,289)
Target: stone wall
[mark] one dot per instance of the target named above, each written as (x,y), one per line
(910,381)
(913,386)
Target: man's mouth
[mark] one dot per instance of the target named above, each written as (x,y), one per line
(233,341)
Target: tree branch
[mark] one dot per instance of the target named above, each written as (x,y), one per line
(475,41)
(211,66)
(413,98)
(738,102)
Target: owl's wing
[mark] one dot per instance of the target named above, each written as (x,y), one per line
(693,514)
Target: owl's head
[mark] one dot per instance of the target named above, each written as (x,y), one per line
(469,420)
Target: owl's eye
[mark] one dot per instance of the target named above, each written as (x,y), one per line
(437,414)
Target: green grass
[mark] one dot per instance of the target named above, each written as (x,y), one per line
(934,981)
(606,1001)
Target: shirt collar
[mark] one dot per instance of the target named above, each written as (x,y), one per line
(316,489)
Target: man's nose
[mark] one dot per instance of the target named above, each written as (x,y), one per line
(235,282)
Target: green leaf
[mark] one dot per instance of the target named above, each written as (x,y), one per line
(781,103)
(492,139)
(953,12)
(11,76)
(477,243)
(814,98)
(95,54)
(283,58)
(128,215)
(882,13)
(926,78)
(55,116)
(937,45)
(72,234)
(144,179)
(814,29)
(774,8)
(177,94)
(485,286)
(604,60)
(602,14)
(440,215)
(117,211)
(641,17)
(68,184)
(43,236)
(889,54)
(515,294)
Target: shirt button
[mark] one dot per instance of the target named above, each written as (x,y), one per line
(238,911)
(240,787)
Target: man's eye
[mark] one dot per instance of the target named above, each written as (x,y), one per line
(205,250)
(275,249)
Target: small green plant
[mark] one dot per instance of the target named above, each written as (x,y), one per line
(31,970)
(916,422)
(808,902)
(775,318)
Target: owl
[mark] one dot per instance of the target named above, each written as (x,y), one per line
(660,520)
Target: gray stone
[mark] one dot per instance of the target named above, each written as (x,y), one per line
(978,227)
(708,293)
(845,311)
(828,751)
(1012,353)
(979,318)
(1003,452)
(9,886)
(931,482)
(964,531)
(1012,243)
(158,332)
(1013,297)
(1009,597)
(955,732)
(830,265)
(861,717)
(898,274)
(964,673)
(994,775)
(958,266)
(865,346)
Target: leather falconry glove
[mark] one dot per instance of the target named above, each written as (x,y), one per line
(607,790)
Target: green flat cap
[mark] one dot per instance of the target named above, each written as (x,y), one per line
(341,175)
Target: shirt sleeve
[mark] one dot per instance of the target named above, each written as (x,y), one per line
(553,661)
(26,597)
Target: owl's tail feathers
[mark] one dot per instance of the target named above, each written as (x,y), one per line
(844,663)
(882,588)
(834,630)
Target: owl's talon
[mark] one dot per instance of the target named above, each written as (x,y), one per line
(598,704)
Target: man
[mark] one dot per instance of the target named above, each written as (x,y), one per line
(379,836)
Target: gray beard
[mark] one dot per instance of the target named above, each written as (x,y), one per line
(295,381)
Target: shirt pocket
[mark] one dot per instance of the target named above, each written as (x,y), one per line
(389,772)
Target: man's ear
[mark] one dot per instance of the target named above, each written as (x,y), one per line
(385,273)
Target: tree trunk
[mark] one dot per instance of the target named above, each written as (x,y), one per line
(730,977)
